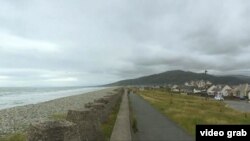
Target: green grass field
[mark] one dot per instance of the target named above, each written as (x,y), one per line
(187,111)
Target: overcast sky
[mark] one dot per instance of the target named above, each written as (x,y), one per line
(90,42)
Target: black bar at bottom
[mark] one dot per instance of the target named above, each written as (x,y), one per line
(223,132)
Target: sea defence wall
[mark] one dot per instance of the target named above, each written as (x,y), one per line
(80,125)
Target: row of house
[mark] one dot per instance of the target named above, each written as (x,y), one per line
(223,90)
(200,87)
(240,91)
(198,83)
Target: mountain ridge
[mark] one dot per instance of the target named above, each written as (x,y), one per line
(180,77)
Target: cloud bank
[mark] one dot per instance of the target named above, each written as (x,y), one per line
(91,42)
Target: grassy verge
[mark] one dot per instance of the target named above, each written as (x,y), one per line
(188,111)
(14,137)
(107,126)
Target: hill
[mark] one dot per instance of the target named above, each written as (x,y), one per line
(180,77)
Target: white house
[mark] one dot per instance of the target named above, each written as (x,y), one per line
(187,84)
(241,91)
(210,90)
(197,90)
(175,88)
(201,84)
(209,83)
(225,90)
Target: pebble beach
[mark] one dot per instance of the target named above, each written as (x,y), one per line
(19,118)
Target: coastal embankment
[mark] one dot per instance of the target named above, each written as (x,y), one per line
(19,118)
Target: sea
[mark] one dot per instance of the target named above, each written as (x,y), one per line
(19,96)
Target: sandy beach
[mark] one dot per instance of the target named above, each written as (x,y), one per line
(19,118)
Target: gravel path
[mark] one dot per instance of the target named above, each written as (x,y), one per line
(239,105)
(19,118)
(152,125)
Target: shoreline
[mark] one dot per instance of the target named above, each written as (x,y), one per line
(25,96)
(19,118)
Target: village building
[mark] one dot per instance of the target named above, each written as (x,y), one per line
(242,91)
(186,89)
(210,90)
(226,90)
(198,83)
(175,88)
(223,90)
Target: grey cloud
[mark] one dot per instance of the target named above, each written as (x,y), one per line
(98,42)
